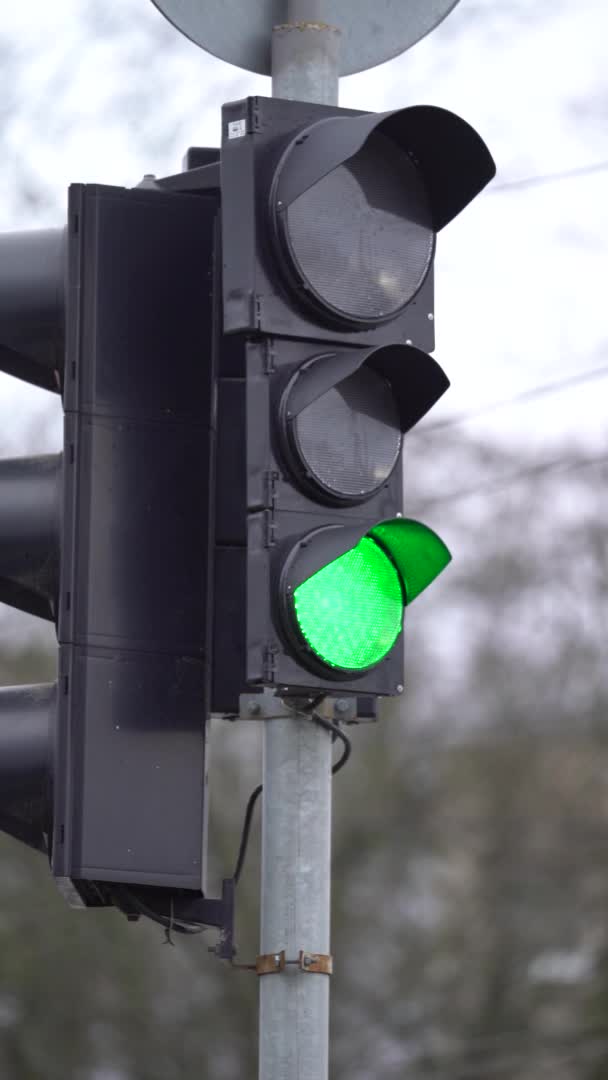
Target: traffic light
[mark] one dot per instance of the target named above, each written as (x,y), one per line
(110,540)
(240,351)
(329,225)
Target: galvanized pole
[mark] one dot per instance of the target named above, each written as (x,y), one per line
(296,824)
(296,809)
(305,55)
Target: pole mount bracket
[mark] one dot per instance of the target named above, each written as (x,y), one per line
(310,962)
(316,963)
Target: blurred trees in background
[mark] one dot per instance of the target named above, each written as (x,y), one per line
(470,885)
(470,888)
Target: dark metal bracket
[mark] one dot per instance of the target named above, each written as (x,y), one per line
(203,178)
(201,172)
(186,907)
(198,180)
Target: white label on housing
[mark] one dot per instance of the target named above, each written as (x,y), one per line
(237,128)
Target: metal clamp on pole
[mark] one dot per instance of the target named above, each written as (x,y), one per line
(311,963)
(270,963)
(316,963)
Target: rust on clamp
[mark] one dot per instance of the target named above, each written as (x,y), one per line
(311,963)
(270,963)
(316,963)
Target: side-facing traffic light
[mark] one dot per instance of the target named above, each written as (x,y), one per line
(105,771)
(329,224)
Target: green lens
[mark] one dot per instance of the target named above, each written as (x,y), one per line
(419,554)
(351,611)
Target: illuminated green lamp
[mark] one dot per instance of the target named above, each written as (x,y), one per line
(350,613)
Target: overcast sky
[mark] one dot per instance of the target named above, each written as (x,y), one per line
(105,90)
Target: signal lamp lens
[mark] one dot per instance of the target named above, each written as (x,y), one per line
(419,554)
(361,239)
(348,610)
(351,611)
(348,441)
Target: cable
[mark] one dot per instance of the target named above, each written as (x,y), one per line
(524,395)
(513,478)
(245,833)
(167,921)
(255,794)
(550,178)
(337,734)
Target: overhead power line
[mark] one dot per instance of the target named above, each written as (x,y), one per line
(532,392)
(549,178)
(514,478)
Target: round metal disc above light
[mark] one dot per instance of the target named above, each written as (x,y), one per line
(240,31)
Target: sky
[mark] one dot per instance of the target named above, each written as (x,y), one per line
(105,90)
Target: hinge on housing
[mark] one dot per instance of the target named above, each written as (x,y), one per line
(270,493)
(257,303)
(271,478)
(269,663)
(269,528)
(256,124)
(269,358)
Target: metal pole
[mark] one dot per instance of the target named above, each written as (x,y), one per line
(296,840)
(296,808)
(305,55)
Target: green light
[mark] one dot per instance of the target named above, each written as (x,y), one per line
(419,554)
(351,611)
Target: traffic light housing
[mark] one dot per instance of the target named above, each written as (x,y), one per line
(111,540)
(241,350)
(329,224)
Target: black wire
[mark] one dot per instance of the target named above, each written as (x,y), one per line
(337,734)
(245,833)
(163,920)
(253,798)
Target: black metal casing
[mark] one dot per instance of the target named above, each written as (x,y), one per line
(112,540)
(255,291)
(270,330)
(136,557)
(165,539)
(260,512)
